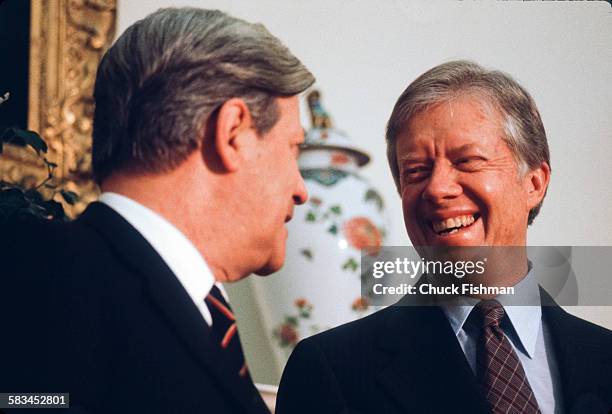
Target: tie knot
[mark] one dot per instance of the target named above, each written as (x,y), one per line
(215,292)
(491,311)
(218,305)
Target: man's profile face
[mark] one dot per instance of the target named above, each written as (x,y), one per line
(460,184)
(276,185)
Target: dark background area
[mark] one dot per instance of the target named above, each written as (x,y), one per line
(14,61)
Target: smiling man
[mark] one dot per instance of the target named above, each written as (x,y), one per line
(195,146)
(469,155)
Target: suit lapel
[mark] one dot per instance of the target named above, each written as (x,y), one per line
(580,357)
(423,360)
(172,301)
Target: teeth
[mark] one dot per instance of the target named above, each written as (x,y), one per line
(452,223)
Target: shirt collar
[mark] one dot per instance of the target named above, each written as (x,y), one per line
(177,251)
(525,317)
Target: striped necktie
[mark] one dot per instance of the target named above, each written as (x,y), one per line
(225,331)
(500,371)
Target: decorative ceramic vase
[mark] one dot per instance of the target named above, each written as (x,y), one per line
(319,286)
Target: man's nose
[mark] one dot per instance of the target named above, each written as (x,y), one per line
(442,184)
(301,194)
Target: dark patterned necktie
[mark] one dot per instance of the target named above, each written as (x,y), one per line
(225,331)
(500,372)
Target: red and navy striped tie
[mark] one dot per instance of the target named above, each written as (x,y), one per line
(225,331)
(500,371)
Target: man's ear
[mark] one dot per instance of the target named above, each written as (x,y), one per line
(233,132)
(536,182)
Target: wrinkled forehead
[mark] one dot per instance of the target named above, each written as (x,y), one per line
(461,120)
(478,102)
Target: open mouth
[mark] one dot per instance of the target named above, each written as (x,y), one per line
(454,224)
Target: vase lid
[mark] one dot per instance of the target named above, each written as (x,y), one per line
(332,139)
(323,136)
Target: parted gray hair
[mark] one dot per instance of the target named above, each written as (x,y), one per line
(159,84)
(522,124)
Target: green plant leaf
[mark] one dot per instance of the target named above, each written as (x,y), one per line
(69,196)
(31,139)
(17,201)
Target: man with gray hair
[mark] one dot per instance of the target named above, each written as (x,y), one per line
(469,155)
(195,145)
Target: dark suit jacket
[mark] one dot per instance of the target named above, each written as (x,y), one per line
(406,359)
(90,308)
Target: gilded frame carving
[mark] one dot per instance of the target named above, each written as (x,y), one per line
(67,39)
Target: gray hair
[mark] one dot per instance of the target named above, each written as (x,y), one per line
(168,73)
(523,128)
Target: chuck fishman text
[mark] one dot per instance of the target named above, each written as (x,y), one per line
(466,289)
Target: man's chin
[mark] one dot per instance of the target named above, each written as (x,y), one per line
(270,267)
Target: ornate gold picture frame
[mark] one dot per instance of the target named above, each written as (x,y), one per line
(67,39)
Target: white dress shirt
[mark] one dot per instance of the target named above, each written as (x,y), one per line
(527,333)
(176,250)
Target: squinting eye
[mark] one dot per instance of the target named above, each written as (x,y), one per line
(416,173)
(469,162)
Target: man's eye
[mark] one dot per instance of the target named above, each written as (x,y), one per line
(469,162)
(413,174)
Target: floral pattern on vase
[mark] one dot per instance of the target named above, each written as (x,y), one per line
(361,233)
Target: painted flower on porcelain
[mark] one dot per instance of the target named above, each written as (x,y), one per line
(361,233)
